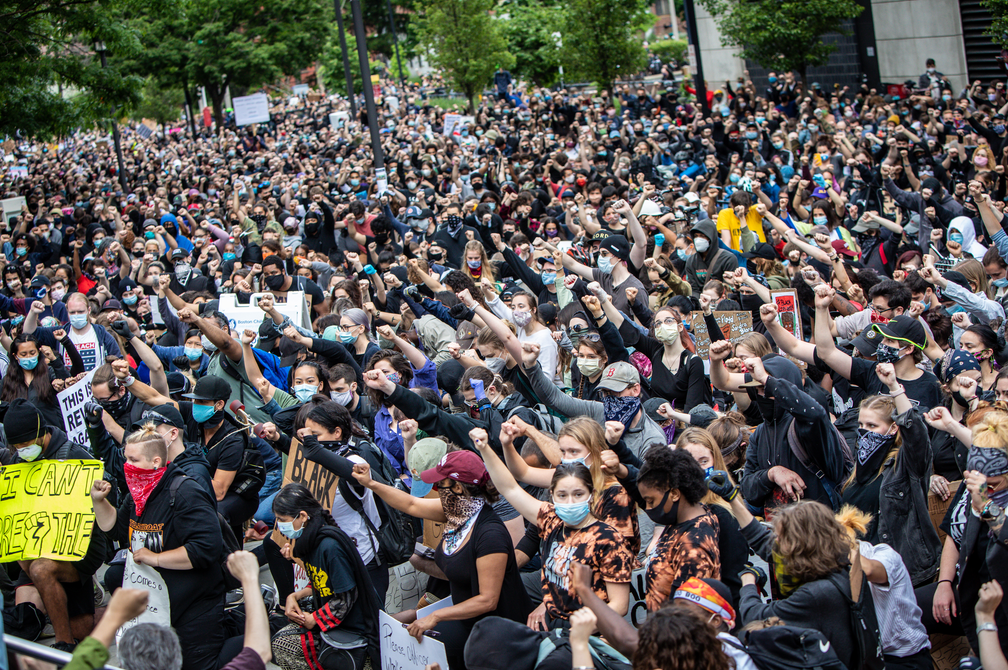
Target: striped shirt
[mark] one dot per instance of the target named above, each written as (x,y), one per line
(896,608)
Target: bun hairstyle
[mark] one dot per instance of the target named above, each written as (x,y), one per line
(991,431)
(150,440)
(854,521)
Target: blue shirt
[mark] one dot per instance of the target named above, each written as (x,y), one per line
(390,441)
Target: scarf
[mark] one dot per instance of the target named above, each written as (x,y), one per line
(141,483)
(870,444)
(458,510)
(454,225)
(786,584)
(989,461)
(621,408)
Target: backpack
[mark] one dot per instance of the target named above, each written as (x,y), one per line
(832,488)
(231,543)
(864,622)
(396,538)
(788,648)
(538,416)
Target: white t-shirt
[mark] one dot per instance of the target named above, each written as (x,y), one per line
(350,522)
(88,347)
(549,351)
(730,644)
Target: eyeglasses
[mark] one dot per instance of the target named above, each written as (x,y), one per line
(583,334)
(878,310)
(671,321)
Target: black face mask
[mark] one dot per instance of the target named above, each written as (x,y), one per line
(118,407)
(750,303)
(768,409)
(959,400)
(275,282)
(381,238)
(662,518)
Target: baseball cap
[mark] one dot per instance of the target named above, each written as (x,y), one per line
(702,415)
(841,247)
(867,341)
(904,329)
(465,334)
(464,467)
(650,208)
(164,414)
(111,303)
(957,277)
(179,254)
(210,388)
(424,455)
(618,376)
(761,250)
(178,383)
(651,406)
(617,245)
(864,224)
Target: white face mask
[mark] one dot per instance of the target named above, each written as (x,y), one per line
(30,453)
(701,244)
(342,398)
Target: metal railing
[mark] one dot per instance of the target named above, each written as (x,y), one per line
(42,652)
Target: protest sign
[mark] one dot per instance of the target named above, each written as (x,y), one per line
(300,89)
(71,402)
(321,482)
(251,109)
(788,312)
(243,316)
(401,651)
(450,120)
(432,529)
(45,509)
(147,578)
(937,508)
(12,207)
(733,324)
(430,609)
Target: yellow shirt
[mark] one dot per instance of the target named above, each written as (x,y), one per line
(726,220)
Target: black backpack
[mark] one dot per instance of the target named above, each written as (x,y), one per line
(789,648)
(864,622)
(231,543)
(396,538)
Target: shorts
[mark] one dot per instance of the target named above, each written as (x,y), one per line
(79,594)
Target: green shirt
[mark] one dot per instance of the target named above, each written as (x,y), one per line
(88,655)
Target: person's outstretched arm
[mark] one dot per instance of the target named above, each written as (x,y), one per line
(526,504)
(244,566)
(825,346)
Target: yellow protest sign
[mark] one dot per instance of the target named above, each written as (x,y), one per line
(45,509)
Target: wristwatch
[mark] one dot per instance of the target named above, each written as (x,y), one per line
(986,626)
(990,511)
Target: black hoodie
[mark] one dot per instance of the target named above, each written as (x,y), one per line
(711,264)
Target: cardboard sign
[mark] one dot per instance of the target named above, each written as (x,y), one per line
(243,316)
(149,579)
(300,89)
(322,483)
(788,311)
(72,401)
(45,509)
(938,507)
(12,207)
(401,651)
(946,650)
(432,530)
(251,109)
(734,325)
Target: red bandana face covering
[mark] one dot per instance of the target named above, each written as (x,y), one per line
(141,482)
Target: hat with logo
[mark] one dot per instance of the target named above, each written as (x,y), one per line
(164,414)
(904,329)
(210,388)
(424,455)
(867,341)
(618,376)
(617,245)
(464,467)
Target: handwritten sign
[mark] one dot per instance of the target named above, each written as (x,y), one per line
(938,507)
(137,576)
(788,312)
(733,325)
(321,482)
(432,529)
(72,401)
(45,509)
(401,651)
(251,109)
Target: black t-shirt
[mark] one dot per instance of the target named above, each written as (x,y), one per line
(488,536)
(688,387)
(224,450)
(925,390)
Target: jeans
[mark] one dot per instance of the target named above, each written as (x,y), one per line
(266,495)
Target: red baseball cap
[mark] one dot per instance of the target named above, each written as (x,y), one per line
(462,466)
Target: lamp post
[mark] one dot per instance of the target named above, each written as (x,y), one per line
(346,59)
(99,47)
(372,113)
(395,43)
(558,38)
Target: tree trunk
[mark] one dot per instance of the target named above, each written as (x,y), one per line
(216,93)
(801,73)
(471,96)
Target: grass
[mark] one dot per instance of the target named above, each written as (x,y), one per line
(450,104)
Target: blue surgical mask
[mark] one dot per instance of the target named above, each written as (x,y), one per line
(228,256)
(193,353)
(733,178)
(681,253)
(778,145)
(956,237)
(28,363)
(751,135)
(78,321)
(347,338)
(1001,283)
(572,514)
(772,80)
(954,309)
(149,234)
(605,264)
(286,529)
(548,278)
(568,461)
(130,300)
(304,392)
(202,413)
(819,220)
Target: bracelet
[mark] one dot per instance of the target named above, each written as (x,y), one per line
(979,629)
(129,381)
(949,581)
(592,667)
(901,391)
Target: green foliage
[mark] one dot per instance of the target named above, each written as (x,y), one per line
(158,102)
(600,42)
(781,34)
(464,42)
(52,80)
(221,43)
(529,32)
(669,49)
(331,60)
(998,29)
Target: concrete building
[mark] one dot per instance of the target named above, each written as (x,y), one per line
(888,44)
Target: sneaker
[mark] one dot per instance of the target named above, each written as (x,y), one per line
(65,646)
(269,595)
(101,596)
(234,598)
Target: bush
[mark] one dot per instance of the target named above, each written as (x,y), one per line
(669,50)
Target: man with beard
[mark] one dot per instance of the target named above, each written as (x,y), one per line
(796,453)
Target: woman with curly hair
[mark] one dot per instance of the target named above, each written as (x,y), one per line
(674,638)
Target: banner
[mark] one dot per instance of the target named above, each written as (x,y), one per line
(45,509)
(251,109)
(148,579)
(71,402)
(733,324)
(401,651)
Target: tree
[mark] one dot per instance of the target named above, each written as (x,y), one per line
(331,60)
(160,103)
(464,42)
(998,29)
(782,35)
(529,32)
(52,79)
(599,39)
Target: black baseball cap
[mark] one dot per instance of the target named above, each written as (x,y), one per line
(210,388)
(164,414)
(904,329)
(867,341)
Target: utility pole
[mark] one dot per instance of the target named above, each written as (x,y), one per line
(696,64)
(369,103)
(395,43)
(346,58)
(100,48)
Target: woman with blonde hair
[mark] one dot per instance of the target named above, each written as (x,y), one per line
(731,433)
(478,265)
(975,274)
(889,482)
